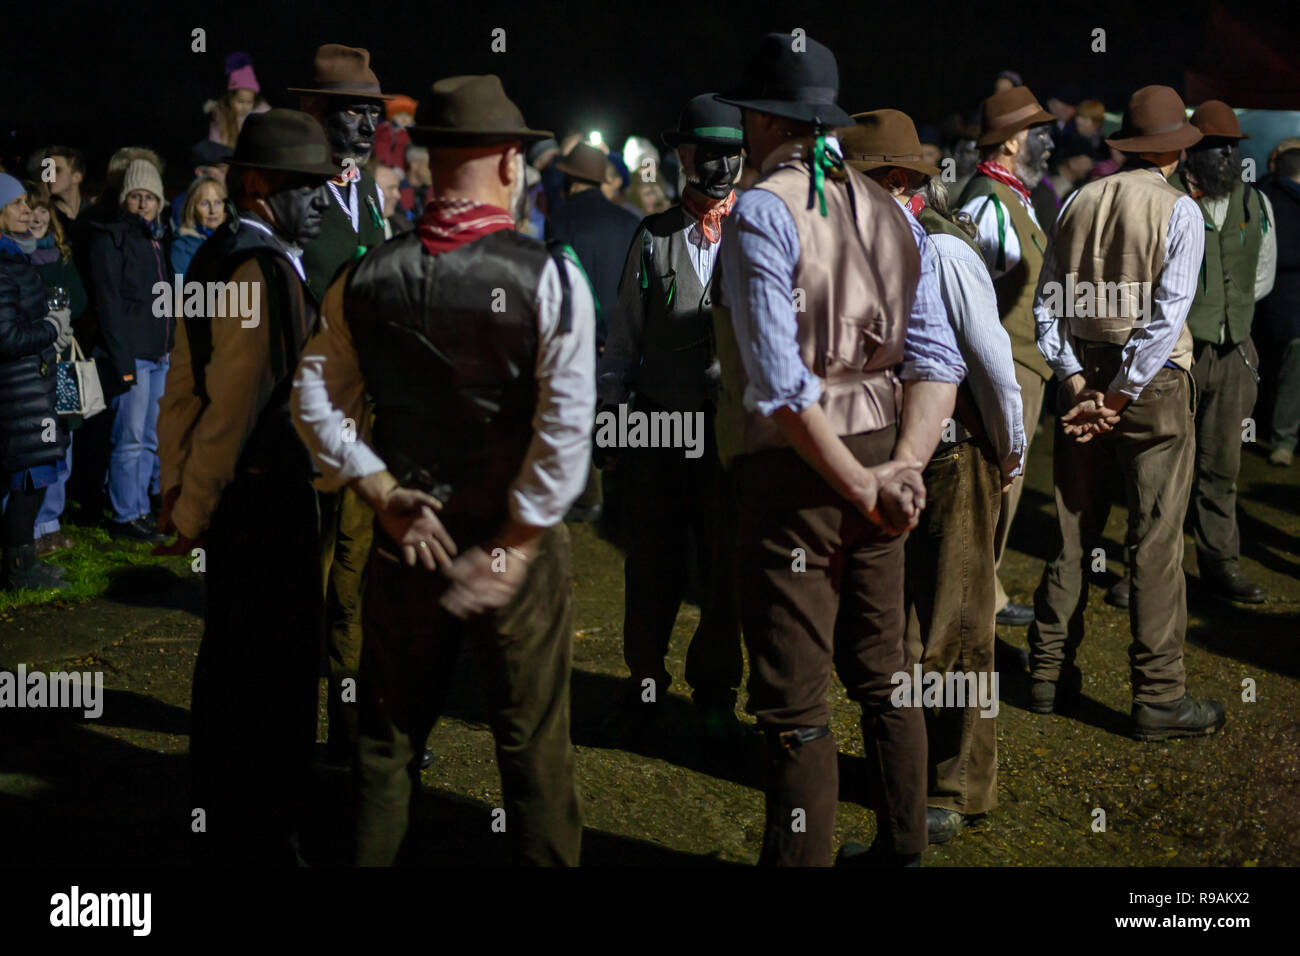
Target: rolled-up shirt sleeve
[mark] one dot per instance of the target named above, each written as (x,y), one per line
(328,402)
(1149,346)
(760,248)
(930,352)
(555,468)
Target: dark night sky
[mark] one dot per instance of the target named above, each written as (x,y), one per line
(121,74)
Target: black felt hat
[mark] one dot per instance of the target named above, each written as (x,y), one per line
(795,77)
(285,140)
(707,120)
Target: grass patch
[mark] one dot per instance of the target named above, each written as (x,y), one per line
(89,567)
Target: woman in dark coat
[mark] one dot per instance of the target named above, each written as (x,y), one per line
(32,440)
(53,260)
(127,259)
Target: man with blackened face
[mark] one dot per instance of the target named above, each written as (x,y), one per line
(1238,270)
(233,469)
(660,358)
(345,97)
(1015,143)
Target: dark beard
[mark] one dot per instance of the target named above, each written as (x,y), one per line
(1215,174)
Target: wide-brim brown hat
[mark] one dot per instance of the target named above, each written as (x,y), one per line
(287,141)
(343,71)
(1215,118)
(584,162)
(884,138)
(1155,122)
(1005,114)
(471,111)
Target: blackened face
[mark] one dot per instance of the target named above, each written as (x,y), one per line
(1215,167)
(1031,161)
(298,208)
(710,169)
(350,128)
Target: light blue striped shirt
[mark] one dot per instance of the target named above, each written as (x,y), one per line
(760,250)
(1148,347)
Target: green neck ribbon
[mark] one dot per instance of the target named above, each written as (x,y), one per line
(823,160)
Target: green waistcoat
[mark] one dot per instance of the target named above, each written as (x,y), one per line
(1225,291)
(337,245)
(1015,288)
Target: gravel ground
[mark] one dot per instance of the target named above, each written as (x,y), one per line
(112,790)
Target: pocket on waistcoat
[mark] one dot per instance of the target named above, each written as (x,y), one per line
(855,338)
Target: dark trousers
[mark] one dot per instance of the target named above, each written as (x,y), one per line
(950,590)
(843,609)
(1151,451)
(1225,395)
(18,523)
(346,534)
(87,482)
(674,503)
(253,711)
(523,652)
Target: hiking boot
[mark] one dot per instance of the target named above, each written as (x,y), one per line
(1184,717)
(23,570)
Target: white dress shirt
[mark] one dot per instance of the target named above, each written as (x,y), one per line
(984,211)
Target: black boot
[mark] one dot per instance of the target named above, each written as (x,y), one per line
(23,570)
(1061,695)
(1225,580)
(1184,717)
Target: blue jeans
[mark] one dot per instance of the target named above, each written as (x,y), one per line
(135,441)
(47,520)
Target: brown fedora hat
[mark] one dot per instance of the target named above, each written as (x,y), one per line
(1155,122)
(287,141)
(1215,118)
(584,162)
(470,111)
(1005,114)
(343,71)
(884,138)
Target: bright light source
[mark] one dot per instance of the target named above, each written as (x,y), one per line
(594,137)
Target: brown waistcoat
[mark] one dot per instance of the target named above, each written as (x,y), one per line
(854,285)
(1112,235)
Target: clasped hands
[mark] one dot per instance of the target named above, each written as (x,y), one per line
(891,495)
(1092,412)
(477,582)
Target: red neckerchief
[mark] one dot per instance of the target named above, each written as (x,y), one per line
(709,213)
(350,174)
(448,224)
(993,171)
(916,204)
